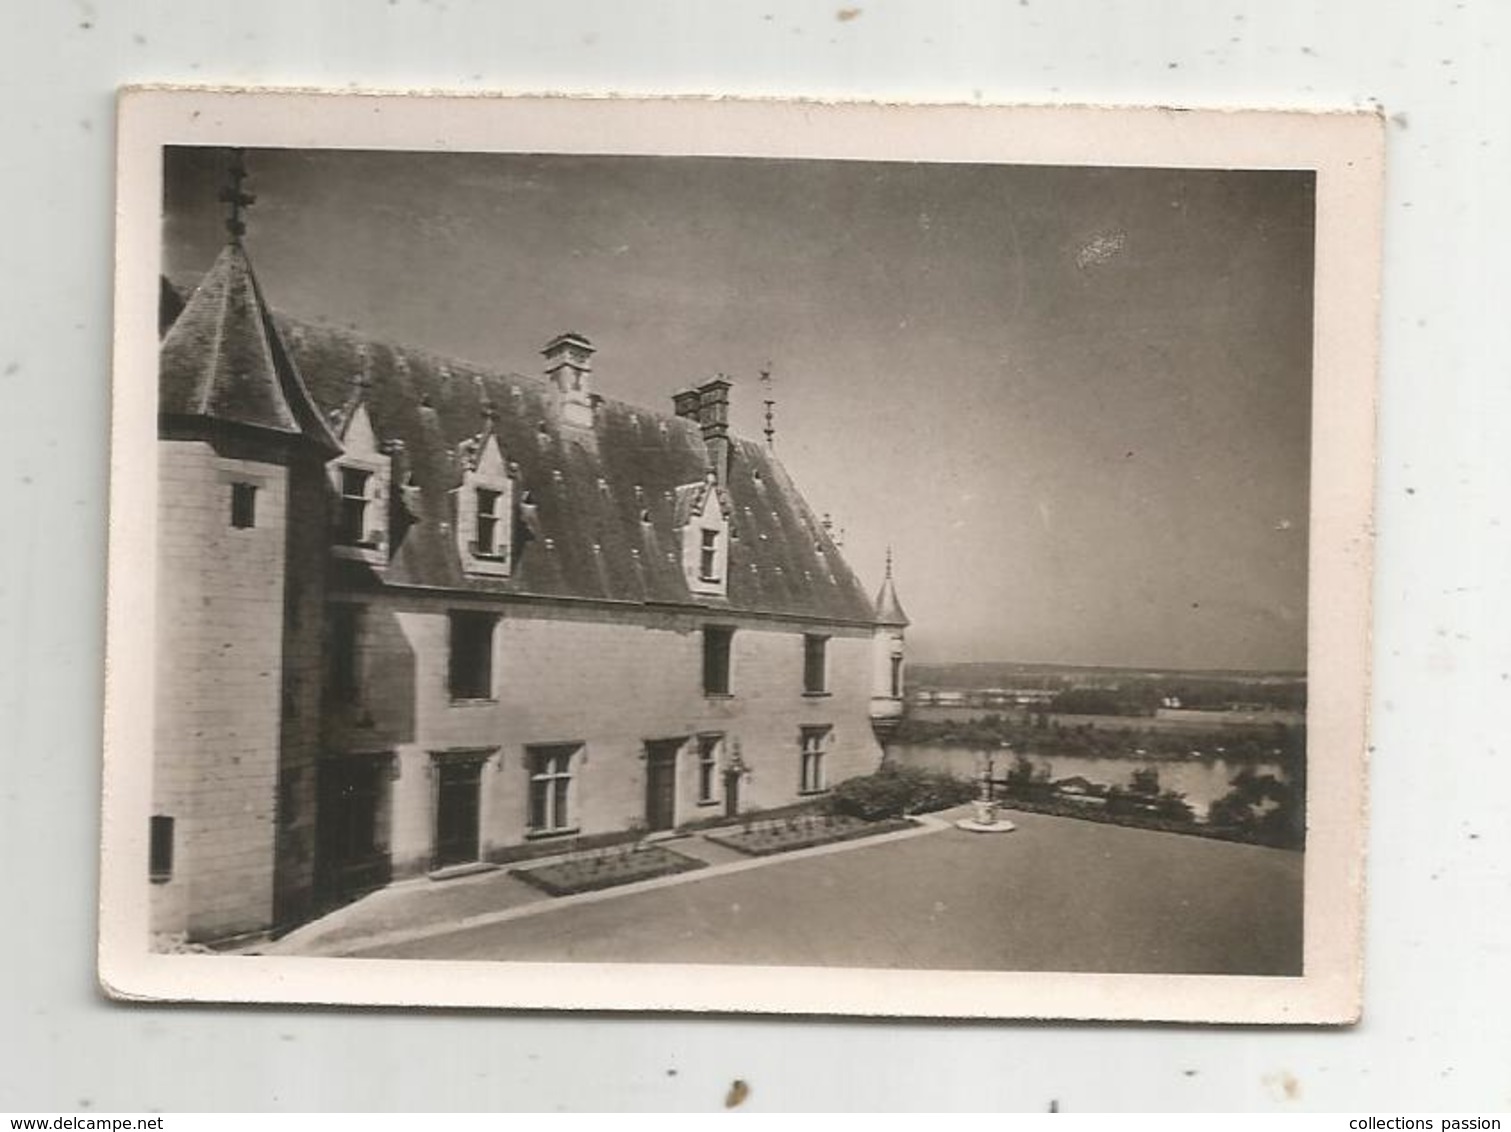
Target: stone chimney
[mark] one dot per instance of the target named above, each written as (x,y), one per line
(685,403)
(569,368)
(713,418)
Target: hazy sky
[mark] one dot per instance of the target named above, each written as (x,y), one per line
(1075,400)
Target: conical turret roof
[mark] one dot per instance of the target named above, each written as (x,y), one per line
(888,608)
(224,360)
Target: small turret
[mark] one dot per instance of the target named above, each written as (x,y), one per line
(888,608)
(888,652)
(241,595)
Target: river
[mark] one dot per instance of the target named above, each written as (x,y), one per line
(1166,719)
(1202,781)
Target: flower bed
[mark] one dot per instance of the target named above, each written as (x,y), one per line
(763,837)
(607,868)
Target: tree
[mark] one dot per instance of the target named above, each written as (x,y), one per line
(1263,808)
(1020,777)
(1174,807)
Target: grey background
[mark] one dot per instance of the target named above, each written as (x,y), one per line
(1436,1030)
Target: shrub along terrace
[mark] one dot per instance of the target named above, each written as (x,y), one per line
(858,807)
(1259,809)
(895,791)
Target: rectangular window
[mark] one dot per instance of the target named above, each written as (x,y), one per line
(815,664)
(160,851)
(345,679)
(243,505)
(470,671)
(897,677)
(550,788)
(716,648)
(708,557)
(351,525)
(708,767)
(488,523)
(815,743)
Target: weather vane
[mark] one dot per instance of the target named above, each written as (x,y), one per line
(237,197)
(770,404)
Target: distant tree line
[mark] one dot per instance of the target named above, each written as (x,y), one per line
(1145,697)
(1121,692)
(1280,743)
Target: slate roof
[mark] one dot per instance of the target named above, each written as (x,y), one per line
(888,608)
(170,304)
(221,359)
(597,510)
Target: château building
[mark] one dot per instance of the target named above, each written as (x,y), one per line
(417,616)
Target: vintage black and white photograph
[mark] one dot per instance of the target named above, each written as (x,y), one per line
(551,562)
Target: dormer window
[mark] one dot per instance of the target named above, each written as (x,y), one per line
(485,511)
(703,523)
(359,477)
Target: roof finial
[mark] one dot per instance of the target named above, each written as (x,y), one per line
(234,195)
(770,404)
(489,409)
(889,560)
(361,379)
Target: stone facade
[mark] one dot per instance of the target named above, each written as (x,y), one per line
(607,684)
(219,718)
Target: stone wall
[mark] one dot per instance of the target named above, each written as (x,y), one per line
(220,620)
(308,557)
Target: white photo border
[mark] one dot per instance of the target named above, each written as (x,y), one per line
(1345,149)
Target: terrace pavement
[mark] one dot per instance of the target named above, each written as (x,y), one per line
(1058,894)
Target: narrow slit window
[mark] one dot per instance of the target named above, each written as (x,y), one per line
(356,487)
(716,649)
(160,851)
(243,505)
(815,664)
(489,522)
(708,766)
(708,557)
(288,799)
(345,675)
